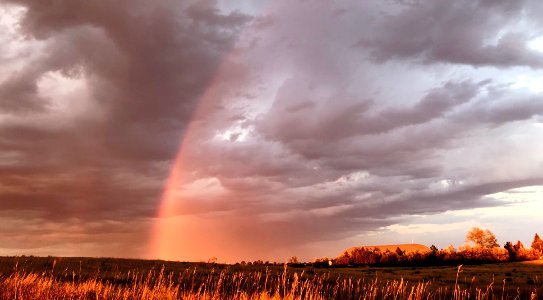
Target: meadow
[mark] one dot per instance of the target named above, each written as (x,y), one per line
(111,278)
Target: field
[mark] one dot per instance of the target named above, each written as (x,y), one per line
(109,278)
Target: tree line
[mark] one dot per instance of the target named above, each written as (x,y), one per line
(485,250)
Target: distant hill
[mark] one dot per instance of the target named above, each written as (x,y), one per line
(392,248)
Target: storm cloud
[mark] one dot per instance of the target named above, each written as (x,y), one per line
(296,126)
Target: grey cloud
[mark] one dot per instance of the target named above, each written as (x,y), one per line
(19,95)
(326,123)
(145,64)
(427,202)
(378,210)
(502,109)
(70,237)
(475,33)
(337,122)
(134,60)
(299,139)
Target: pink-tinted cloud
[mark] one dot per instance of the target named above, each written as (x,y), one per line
(301,125)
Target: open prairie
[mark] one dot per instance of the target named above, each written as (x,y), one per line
(110,278)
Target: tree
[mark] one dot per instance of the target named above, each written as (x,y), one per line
(521,253)
(482,238)
(293,260)
(537,244)
(511,249)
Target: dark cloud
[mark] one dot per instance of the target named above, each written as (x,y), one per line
(290,137)
(19,94)
(501,109)
(145,66)
(475,33)
(134,58)
(340,117)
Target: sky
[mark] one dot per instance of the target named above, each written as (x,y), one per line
(187,130)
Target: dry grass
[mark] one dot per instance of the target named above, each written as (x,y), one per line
(226,284)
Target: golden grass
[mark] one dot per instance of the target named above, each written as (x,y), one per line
(192,284)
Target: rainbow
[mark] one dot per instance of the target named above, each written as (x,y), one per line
(176,235)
